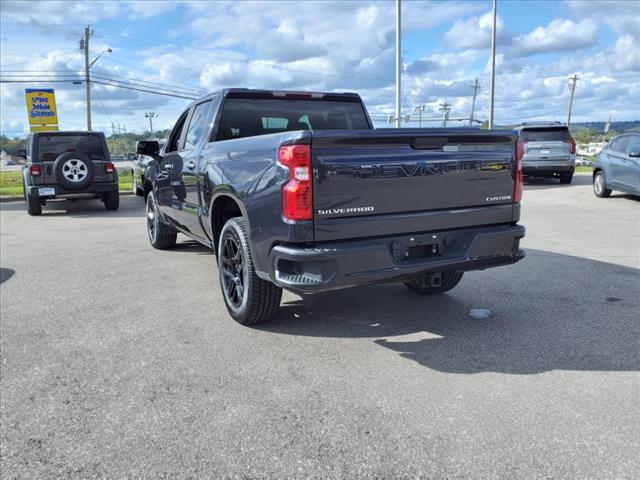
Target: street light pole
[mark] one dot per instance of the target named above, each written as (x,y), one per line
(572,85)
(87,85)
(398,65)
(493,66)
(151,116)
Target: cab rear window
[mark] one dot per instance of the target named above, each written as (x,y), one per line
(546,134)
(51,147)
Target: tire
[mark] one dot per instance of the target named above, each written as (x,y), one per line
(249,299)
(112,200)
(136,188)
(161,236)
(600,185)
(34,206)
(74,170)
(565,178)
(448,281)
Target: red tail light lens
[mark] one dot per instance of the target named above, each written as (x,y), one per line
(109,168)
(35,170)
(519,177)
(297,194)
(572,146)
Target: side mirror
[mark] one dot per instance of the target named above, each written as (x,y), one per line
(151,148)
(22,153)
(635,154)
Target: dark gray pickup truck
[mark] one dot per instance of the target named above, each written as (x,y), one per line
(298,190)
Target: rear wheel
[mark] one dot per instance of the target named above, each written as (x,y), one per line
(424,284)
(249,299)
(161,236)
(137,189)
(112,200)
(565,178)
(34,206)
(600,185)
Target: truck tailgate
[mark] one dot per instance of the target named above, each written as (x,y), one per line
(378,182)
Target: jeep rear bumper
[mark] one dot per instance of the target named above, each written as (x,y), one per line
(337,265)
(92,191)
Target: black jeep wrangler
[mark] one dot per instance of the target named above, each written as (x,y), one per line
(71,166)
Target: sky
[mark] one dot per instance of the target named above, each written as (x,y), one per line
(189,48)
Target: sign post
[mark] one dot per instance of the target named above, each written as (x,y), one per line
(41,109)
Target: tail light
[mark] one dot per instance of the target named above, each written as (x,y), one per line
(297,194)
(572,146)
(35,170)
(109,168)
(519,177)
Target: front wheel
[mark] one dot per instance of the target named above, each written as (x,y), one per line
(161,236)
(600,186)
(249,299)
(423,285)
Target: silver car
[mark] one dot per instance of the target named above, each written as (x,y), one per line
(546,150)
(618,166)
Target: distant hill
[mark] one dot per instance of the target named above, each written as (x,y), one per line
(617,126)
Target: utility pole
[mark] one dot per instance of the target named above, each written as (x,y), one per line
(572,85)
(446,108)
(84,44)
(419,109)
(493,65)
(398,65)
(151,116)
(476,86)
(126,144)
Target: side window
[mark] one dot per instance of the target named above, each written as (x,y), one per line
(621,144)
(176,133)
(197,125)
(634,145)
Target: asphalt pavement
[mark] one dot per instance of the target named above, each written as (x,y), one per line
(120,361)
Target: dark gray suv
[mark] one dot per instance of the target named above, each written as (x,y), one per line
(546,150)
(70,166)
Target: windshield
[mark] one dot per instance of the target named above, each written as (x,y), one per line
(548,134)
(51,147)
(246,117)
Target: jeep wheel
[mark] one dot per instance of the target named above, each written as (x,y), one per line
(34,206)
(74,170)
(112,200)
(421,284)
(161,236)
(565,178)
(600,185)
(249,299)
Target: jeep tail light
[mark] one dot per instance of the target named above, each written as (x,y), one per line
(297,194)
(519,177)
(35,170)
(109,168)
(572,146)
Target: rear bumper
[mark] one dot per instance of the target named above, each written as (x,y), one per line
(93,190)
(343,264)
(546,170)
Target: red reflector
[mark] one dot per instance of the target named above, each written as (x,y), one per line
(109,168)
(297,194)
(34,170)
(519,177)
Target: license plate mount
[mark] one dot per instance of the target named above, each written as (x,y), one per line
(46,192)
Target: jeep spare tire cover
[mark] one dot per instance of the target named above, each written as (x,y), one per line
(73,170)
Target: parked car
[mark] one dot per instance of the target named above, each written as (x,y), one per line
(583,162)
(298,191)
(68,166)
(138,172)
(618,166)
(546,150)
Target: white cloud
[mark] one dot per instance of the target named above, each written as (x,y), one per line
(558,36)
(475,32)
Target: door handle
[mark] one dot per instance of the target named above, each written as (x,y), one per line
(191,165)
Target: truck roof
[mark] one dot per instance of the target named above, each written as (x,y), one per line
(292,94)
(66,132)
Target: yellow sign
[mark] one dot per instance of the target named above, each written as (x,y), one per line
(41,109)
